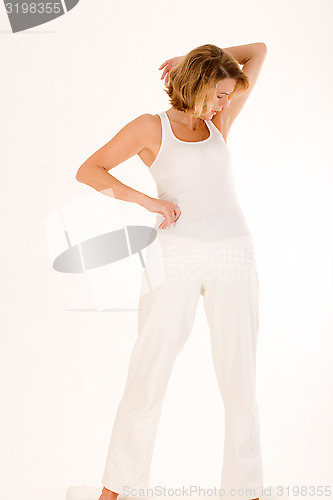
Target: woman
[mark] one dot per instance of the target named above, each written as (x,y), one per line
(207,249)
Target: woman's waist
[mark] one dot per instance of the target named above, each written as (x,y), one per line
(207,226)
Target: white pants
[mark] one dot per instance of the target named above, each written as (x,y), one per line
(225,274)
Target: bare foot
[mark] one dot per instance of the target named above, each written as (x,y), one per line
(108,494)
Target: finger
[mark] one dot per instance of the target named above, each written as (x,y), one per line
(168,221)
(163,64)
(177,212)
(163,223)
(165,71)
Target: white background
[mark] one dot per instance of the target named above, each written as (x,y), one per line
(66,88)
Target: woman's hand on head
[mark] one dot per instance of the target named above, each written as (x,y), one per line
(168,209)
(168,65)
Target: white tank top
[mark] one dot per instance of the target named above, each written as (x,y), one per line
(198,178)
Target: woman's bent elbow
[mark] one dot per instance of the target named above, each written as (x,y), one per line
(79,176)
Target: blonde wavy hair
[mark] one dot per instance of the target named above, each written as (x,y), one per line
(193,81)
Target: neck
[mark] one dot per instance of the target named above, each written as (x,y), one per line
(185,119)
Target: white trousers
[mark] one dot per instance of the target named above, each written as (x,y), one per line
(225,274)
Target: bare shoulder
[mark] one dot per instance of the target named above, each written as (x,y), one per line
(139,136)
(144,133)
(152,131)
(148,126)
(150,122)
(142,123)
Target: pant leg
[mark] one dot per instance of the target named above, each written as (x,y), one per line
(165,319)
(231,303)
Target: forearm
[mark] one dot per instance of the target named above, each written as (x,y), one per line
(242,53)
(100,179)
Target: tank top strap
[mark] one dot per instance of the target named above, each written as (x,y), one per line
(168,132)
(166,127)
(215,132)
(212,127)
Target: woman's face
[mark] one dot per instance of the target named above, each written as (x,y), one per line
(220,98)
